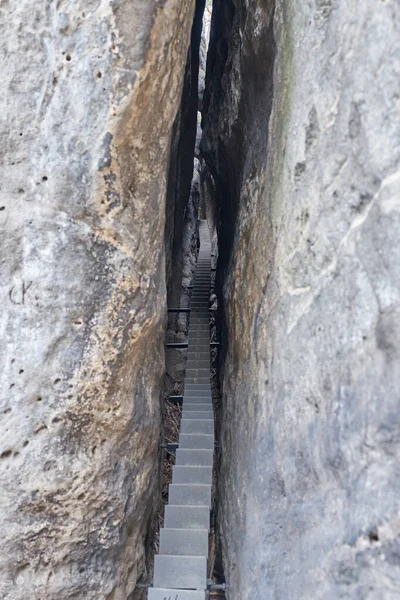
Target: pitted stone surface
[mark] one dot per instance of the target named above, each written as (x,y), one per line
(302,135)
(84,144)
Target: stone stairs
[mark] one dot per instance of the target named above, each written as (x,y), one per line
(180,568)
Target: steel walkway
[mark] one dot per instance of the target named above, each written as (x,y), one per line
(180,569)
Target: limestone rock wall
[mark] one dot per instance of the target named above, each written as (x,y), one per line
(90,92)
(302,136)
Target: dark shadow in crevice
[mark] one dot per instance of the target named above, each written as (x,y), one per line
(235,139)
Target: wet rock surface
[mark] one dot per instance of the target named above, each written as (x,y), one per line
(301,136)
(90,91)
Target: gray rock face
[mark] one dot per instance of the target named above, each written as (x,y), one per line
(90,91)
(302,137)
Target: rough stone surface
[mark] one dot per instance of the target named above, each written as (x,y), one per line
(302,137)
(90,92)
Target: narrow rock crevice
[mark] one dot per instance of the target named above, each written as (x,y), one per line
(237,105)
(122,127)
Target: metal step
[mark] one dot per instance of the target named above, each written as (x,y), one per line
(197,426)
(200,319)
(180,572)
(198,414)
(194,353)
(194,407)
(189,399)
(199,345)
(192,366)
(196,386)
(206,407)
(196,356)
(199,330)
(198,400)
(198,364)
(189,494)
(187,517)
(196,441)
(174,594)
(202,340)
(201,458)
(184,542)
(192,474)
(197,372)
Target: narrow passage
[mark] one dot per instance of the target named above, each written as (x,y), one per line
(180,569)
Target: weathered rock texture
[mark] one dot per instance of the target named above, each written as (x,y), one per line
(302,136)
(90,92)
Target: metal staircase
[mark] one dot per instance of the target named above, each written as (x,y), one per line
(180,569)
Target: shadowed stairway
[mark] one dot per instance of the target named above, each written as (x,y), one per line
(180,570)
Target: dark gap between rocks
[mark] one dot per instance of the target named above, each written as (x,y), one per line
(190,196)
